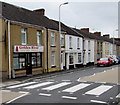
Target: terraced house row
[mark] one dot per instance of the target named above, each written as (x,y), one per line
(30,43)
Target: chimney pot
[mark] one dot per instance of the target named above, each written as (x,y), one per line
(85,29)
(41,11)
(106,36)
(97,33)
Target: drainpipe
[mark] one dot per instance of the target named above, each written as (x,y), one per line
(9,53)
(47,50)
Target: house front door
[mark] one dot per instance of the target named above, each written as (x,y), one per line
(28,64)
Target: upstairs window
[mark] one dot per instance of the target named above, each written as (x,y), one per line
(39,37)
(70,42)
(78,43)
(52,39)
(89,45)
(62,40)
(24,36)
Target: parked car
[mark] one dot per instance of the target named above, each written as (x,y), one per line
(104,62)
(118,57)
(114,58)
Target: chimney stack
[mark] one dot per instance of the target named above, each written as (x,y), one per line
(85,29)
(106,36)
(41,11)
(97,33)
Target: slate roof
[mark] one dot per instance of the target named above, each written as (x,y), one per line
(96,37)
(19,14)
(87,34)
(68,29)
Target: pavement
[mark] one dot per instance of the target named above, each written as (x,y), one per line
(109,76)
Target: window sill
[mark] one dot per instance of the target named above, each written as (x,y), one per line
(53,46)
(53,66)
(24,44)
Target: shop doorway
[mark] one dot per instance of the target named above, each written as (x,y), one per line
(28,64)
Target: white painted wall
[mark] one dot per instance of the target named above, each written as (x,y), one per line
(92,46)
(89,51)
(74,49)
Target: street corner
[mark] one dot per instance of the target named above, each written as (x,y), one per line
(103,77)
(8,96)
(9,83)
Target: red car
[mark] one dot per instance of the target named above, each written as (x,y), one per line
(104,62)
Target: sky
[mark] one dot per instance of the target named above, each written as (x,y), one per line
(97,15)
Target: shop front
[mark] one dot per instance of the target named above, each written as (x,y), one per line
(27,58)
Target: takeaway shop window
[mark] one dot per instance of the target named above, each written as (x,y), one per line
(19,61)
(36,60)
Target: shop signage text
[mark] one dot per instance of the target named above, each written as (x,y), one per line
(28,48)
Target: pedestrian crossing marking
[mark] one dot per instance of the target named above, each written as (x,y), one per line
(44,94)
(69,97)
(99,90)
(76,88)
(118,96)
(56,86)
(20,85)
(96,101)
(38,85)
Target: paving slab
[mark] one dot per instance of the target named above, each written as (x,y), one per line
(6,95)
(109,76)
(8,83)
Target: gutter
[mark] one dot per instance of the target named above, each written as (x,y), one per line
(9,52)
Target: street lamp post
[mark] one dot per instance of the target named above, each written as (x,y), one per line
(114,41)
(60,28)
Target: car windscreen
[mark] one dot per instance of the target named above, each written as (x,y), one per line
(103,59)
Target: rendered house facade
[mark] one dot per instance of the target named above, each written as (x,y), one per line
(30,43)
(23,44)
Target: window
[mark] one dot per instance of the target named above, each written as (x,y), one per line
(52,58)
(39,59)
(62,40)
(79,57)
(78,43)
(24,36)
(70,42)
(36,60)
(52,39)
(71,58)
(89,45)
(88,57)
(39,37)
(21,60)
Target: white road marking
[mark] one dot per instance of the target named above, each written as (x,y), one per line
(96,101)
(118,96)
(25,93)
(76,88)
(50,80)
(20,85)
(56,86)
(38,85)
(68,97)
(99,90)
(43,94)
(6,90)
(66,80)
